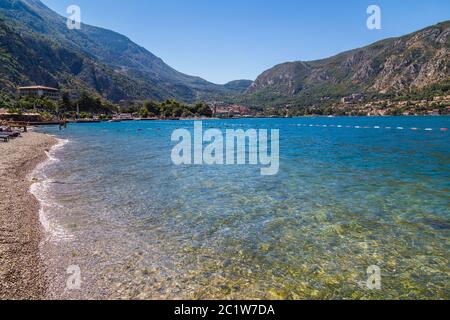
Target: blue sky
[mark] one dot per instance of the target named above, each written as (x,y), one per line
(224,40)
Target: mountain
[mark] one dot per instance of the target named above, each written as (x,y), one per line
(36,47)
(394,66)
(239,86)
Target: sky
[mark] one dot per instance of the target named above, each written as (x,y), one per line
(224,40)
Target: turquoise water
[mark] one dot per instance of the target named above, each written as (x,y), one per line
(345,198)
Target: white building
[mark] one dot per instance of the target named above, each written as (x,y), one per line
(39,91)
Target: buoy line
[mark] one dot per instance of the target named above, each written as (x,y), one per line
(399,128)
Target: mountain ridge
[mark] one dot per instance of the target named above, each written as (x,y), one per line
(394,65)
(36,47)
(114,56)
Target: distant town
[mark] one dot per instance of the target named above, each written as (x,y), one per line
(359,105)
(49,105)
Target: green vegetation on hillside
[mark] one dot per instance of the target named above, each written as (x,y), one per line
(48,109)
(36,48)
(89,105)
(168,109)
(91,59)
(415,66)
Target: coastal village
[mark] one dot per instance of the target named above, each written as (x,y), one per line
(358,105)
(217,109)
(384,107)
(353,105)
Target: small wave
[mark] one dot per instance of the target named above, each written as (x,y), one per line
(58,146)
(40,190)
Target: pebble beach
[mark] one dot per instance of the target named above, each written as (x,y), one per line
(22,271)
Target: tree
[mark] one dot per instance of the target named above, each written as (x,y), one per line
(187,114)
(25,104)
(65,104)
(143,112)
(6,102)
(48,106)
(152,107)
(178,112)
(202,110)
(166,112)
(90,104)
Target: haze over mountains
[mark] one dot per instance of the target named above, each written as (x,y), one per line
(36,47)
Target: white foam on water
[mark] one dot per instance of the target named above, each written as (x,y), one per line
(40,189)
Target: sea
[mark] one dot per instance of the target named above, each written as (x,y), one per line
(359,209)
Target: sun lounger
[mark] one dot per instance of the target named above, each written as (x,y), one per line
(4,137)
(13,134)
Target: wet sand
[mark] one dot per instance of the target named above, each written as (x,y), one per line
(22,271)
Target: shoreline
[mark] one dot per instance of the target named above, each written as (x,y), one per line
(22,270)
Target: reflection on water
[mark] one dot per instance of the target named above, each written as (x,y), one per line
(344,199)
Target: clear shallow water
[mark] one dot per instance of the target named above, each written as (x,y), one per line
(344,199)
